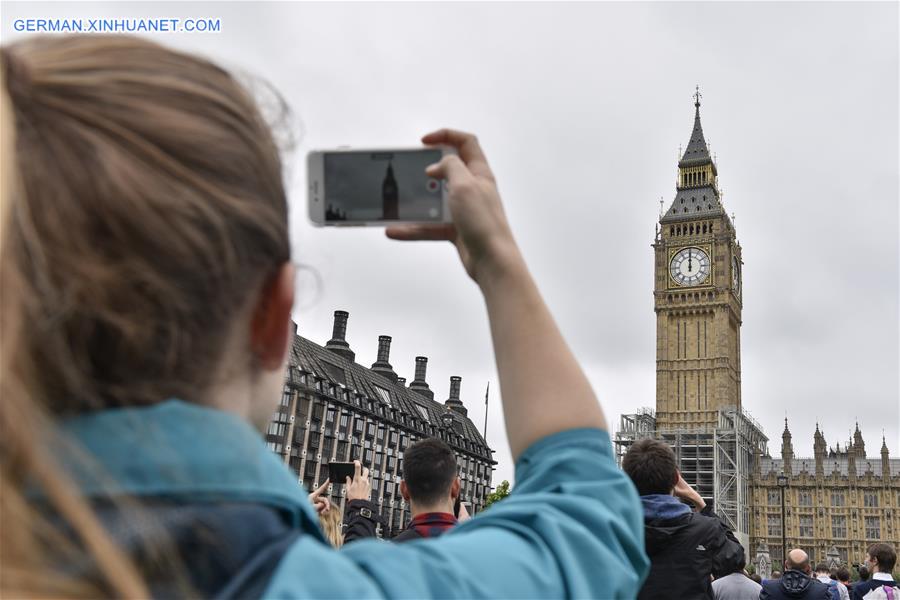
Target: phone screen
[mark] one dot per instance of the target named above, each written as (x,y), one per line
(367,186)
(339,472)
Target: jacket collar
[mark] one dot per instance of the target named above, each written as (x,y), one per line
(663,507)
(177,450)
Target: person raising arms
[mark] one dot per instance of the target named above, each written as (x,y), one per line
(149,231)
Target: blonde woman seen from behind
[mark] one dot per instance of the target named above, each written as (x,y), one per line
(156,290)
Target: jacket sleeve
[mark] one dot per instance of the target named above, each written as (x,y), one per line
(572,528)
(728,554)
(362,519)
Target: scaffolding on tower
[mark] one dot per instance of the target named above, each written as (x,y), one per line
(716,460)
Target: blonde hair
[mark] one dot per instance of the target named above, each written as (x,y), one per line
(142,205)
(153,210)
(332,526)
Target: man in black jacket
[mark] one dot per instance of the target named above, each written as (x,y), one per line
(686,547)
(797,582)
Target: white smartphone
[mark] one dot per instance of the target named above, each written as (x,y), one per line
(372,187)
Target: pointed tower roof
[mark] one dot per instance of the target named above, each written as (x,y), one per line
(697,152)
(884,448)
(698,199)
(818,438)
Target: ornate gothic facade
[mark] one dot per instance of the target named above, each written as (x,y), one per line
(836,503)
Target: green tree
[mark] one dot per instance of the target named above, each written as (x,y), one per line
(501,492)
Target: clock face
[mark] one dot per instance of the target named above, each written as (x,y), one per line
(735,276)
(690,266)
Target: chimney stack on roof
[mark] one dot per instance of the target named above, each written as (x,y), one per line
(453,402)
(419,384)
(382,366)
(338,344)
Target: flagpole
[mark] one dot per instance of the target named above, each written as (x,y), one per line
(486,392)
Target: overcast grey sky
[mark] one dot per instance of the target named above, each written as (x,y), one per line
(581,109)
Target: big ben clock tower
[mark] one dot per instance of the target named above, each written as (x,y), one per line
(697,297)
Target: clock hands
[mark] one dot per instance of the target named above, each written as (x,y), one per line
(689,261)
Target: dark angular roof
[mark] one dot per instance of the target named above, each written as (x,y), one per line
(694,203)
(830,465)
(313,358)
(697,152)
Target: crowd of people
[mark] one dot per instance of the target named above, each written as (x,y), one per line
(147,287)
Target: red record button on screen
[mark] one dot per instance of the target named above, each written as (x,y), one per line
(432,185)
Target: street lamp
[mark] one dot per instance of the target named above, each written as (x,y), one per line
(782,483)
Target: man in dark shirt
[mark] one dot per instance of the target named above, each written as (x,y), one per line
(431,487)
(685,546)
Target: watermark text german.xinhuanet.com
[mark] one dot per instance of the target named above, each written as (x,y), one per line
(145,25)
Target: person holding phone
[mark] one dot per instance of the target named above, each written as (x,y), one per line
(360,513)
(148,237)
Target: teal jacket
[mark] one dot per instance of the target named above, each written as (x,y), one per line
(571,528)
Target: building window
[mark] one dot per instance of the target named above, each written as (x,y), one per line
(303,408)
(774,523)
(873,528)
(276,428)
(838,526)
(337,373)
(424,412)
(837,498)
(806,526)
(774,497)
(385,395)
(870,500)
(805,498)
(275,446)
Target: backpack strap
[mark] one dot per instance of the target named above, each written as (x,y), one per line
(889,591)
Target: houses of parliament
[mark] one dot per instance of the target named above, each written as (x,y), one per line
(836,502)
